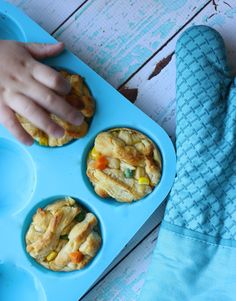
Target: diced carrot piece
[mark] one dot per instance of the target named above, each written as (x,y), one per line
(101,163)
(76,257)
(41,211)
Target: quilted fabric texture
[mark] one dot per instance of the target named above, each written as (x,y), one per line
(204,193)
(195,256)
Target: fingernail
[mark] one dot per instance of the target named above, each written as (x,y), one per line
(68,85)
(78,119)
(29,142)
(58,132)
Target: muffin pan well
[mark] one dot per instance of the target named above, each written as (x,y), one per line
(32,177)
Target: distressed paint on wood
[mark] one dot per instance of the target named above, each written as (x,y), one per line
(116,37)
(48,13)
(156,97)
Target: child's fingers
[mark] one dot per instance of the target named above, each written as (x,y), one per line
(53,103)
(50,78)
(42,50)
(35,114)
(9,120)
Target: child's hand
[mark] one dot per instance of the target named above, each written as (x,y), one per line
(32,89)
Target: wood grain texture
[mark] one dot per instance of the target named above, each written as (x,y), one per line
(156,97)
(117,37)
(48,13)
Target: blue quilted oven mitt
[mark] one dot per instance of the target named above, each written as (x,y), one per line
(195,256)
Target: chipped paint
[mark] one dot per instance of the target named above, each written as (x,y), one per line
(161,65)
(131,35)
(130,94)
(226,3)
(215,4)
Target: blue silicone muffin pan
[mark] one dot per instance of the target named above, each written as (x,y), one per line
(32,177)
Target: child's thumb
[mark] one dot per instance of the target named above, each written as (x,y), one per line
(42,50)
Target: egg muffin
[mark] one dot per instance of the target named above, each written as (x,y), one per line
(80,98)
(124,164)
(63,236)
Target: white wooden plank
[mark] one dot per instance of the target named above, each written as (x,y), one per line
(48,13)
(117,37)
(156,97)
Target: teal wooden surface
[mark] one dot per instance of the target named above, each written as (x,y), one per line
(159,91)
(129,39)
(48,13)
(117,37)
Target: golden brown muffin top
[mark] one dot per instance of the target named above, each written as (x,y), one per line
(63,236)
(124,164)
